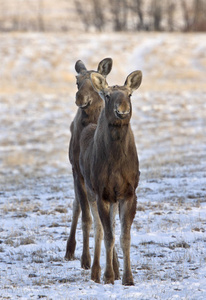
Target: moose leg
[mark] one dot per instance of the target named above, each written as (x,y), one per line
(105,216)
(98,231)
(80,201)
(127,213)
(80,198)
(115,257)
(71,242)
(86,223)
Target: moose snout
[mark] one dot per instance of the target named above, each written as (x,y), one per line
(82,101)
(122,111)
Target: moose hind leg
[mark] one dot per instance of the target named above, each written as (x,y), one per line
(98,231)
(71,242)
(127,213)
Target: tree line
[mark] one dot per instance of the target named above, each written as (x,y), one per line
(104,15)
(141,15)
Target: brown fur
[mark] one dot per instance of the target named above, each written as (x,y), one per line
(110,167)
(90,105)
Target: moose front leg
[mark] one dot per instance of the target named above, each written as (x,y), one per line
(127,213)
(113,210)
(106,215)
(98,232)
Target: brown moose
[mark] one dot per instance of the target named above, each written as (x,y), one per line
(90,105)
(110,168)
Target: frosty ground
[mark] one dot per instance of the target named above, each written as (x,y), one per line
(37,104)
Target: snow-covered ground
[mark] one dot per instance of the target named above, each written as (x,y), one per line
(37,88)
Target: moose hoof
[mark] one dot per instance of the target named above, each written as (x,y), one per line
(116,272)
(127,281)
(69,256)
(108,278)
(71,245)
(86,262)
(117,276)
(95,278)
(96,274)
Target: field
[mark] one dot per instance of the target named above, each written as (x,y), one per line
(37,105)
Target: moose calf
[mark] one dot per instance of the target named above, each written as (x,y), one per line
(90,105)
(110,168)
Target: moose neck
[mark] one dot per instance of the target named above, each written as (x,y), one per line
(117,128)
(115,135)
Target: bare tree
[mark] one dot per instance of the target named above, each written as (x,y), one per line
(170,10)
(83,13)
(16,17)
(98,15)
(156,14)
(119,10)
(3,8)
(41,24)
(115,15)
(137,8)
(186,15)
(194,15)
(199,18)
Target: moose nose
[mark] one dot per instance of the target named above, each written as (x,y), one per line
(82,101)
(122,114)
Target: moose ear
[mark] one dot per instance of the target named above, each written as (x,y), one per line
(99,82)
(80,67)
(105,66)
(133,80)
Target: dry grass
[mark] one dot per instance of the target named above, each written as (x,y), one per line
(45,62)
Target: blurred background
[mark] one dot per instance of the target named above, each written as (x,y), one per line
(102,15)
(40,41)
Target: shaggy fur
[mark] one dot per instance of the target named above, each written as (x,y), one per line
(110,168)
(90,105)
